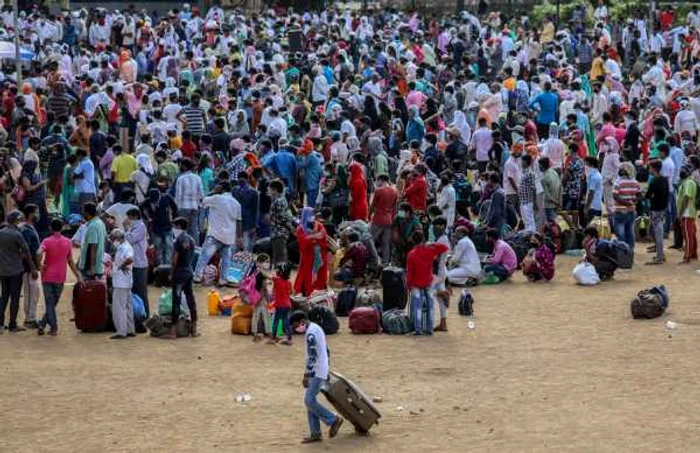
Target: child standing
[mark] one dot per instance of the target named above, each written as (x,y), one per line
(282,288)
(259,300)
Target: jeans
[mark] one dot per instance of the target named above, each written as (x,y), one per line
(670,211)
(248,240)
(178,288)
(192,216)
(657,230)
(260,310)
(11,289)
(421,300)
(31,296)
(498,270)
(140,286)
(382,239)
(316,412)
(209,249)
(282,314)
(52,294)
(164,246)
(624,228)
(550,214)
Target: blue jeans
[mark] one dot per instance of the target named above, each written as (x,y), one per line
(192,216)
(421,300)
(311,197)
(163,244)
(52,294)
(315,411)
(282,314)
(498,270)
(209,249)
(624,228)
(670,211)
(248,241)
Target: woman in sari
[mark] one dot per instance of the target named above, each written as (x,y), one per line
(415,129)
(313,254)
(538,264)
(69,197)
(359,210)
(80,138)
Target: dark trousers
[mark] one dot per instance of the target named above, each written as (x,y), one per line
(119,187)
(52,294)
(11,289)
(140,286)
(178,289)
(498,270)
(282,314)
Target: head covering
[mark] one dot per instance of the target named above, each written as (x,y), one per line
(553,130)
(144,162)
(307,214)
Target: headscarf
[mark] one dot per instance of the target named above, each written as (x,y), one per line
(307,214)
(553,130)
(460,122)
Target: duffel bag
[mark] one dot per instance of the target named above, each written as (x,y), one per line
(647,305)
(396,322)
(364,320)
(324,317)
(465,306)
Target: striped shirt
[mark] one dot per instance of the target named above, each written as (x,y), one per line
(188,191)
(625,192)
(195,119)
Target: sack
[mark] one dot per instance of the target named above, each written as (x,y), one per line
(465,306)
(165,303)
(368,297)
(649,303)
(325,318)
(240,324)
(642,229)
(346,301)
(248,291)
(585,274)
(396,322)
(138,307)
(601,224)
(159,326)
(213,300)
(364,320)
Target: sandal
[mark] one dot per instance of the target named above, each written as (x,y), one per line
(311,439)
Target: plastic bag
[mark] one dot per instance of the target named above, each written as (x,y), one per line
(165,303)
(585,274)
(138,307)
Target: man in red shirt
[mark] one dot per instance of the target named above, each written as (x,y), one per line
(188,148)
(419,278)
(416,193)
(383,210)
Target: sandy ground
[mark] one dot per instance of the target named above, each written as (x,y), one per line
(549,367)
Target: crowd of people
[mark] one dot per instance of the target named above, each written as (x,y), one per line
(357,139)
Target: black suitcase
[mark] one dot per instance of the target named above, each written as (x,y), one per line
(394,292)
(162,276)
(345,301)
(351,402)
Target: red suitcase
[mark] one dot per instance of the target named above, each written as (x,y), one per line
(90,305)
(364,320)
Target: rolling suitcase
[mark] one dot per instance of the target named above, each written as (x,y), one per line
(394,293)
(90,305)
(162,276)
(351,402)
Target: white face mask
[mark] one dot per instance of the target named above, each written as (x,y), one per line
(176,232)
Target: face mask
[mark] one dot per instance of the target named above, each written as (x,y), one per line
(401,214)
(177,232)
(300,329)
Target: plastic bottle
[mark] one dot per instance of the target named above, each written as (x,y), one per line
(213,299)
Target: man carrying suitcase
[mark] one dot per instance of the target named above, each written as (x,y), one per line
(315,375)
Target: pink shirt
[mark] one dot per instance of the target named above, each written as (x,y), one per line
(57,250)
(416,98)
(503,254)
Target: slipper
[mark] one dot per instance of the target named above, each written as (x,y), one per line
(311,439)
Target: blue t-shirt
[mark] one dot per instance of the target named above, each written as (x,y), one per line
(86,184)
(595,185)
(548,103)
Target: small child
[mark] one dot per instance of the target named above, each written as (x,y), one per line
(260,307)
(282,288)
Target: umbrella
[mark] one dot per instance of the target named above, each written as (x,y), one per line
(7,50)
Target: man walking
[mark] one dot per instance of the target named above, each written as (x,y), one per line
(315,375)
(13,252)
(30,282)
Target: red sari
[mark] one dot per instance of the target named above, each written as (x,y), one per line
(306,282)
(359,210)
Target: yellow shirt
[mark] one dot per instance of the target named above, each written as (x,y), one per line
(176,142)
(597,68)
(123,166)
(547,33)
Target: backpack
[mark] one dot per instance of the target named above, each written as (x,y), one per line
(649,303)
(396,322)
(325,318)
(248,291)
(465,305)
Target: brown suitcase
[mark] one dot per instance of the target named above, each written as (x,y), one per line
(351,402)
(90,305)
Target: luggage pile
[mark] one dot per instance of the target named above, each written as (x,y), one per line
(159,324)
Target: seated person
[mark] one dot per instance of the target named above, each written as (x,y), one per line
(503,261)
(538,264)
(604,265)
(354,263)
(464,264)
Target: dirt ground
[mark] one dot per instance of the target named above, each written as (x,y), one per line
(549,367)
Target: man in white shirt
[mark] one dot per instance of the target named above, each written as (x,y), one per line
(512,173)
(188,194)
(122,280)
(668,169)
(464,262)
(481,142)
(685,121)
(315,376)
(319,89)
(440,280)
(225,231)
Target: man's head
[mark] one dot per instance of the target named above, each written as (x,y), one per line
(117,236)
(14,218)
(31,212)
(89,210)
(526,161)
(134,214)
(439,226)
(491,236)
(655,168)
(664,150)
(56,225)
(591,162)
